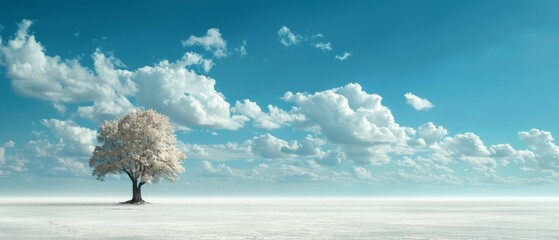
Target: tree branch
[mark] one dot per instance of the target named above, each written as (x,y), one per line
(129,174)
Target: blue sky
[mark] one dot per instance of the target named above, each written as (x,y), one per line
(288,98)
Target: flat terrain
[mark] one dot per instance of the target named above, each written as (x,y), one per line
(280,218)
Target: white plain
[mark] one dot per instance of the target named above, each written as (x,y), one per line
(280,218)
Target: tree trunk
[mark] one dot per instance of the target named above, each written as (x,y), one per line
(136,193)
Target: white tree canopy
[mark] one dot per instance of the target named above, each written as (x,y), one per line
(141,144)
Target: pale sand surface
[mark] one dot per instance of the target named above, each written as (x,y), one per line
(280,218)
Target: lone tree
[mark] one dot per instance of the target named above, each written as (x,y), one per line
(140,144)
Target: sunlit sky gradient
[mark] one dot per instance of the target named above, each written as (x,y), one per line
(288,98)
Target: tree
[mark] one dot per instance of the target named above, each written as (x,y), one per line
(141,145)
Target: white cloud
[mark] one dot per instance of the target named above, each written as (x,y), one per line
(188,98)
(546,153)
(59,107)
(41,148)
(2,158)
(207,65)
(37,75)
(218,152)
(265,146)
(418,103)
(363,155)
(67,154)
(403,176)
(343,56)
(75,140)
(407,162)
(242,51)
(332,157)
(13,163)
(212,42)
(502,150)
(323,46)
(317,35)
(268,146)
(347,115)
(362,173)
(274,118)
(10,144)
(277,172)
(354,120)
(467,147)
(344,124)
(220,170)
(431,133)
(71,166)
(18,165)
(288,38)
(467,144)
(308,146)
(106,110)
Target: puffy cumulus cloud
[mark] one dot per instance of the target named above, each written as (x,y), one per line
(470,148)
(274,118)
(106,110)
(323,46)
(308,146)
(188,98)
(502,150)
(545,152)
(467,144)
(356,123)
(418,103)
(212,42)
(348,115)
(431,133)
(268,146)
(288,38)
(342,57)
(332,157)
(34,74)
(75,140)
